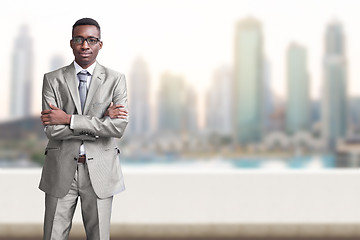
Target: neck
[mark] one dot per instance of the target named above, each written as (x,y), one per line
(85,65)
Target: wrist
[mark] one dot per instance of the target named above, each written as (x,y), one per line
(68,119)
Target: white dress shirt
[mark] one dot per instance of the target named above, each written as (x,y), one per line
(78,69)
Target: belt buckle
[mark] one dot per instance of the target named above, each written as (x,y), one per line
(82,158)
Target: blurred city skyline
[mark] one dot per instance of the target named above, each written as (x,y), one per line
(192,47)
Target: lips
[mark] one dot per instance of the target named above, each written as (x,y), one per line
(85,54)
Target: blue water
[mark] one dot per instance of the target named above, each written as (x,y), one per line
(296,162)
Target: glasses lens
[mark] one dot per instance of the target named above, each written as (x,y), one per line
(78,40)
(92,41)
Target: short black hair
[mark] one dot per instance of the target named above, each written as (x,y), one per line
(86,21)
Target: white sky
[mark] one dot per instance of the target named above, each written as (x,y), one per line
(187,37)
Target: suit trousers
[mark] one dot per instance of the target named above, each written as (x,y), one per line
(96,213)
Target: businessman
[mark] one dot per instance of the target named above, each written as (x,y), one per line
(84,110)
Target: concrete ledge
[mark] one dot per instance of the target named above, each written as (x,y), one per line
(199,204)
(199,230)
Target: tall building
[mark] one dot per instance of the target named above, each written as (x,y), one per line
(298,99)
(354,115)
(171,104)
(334,105)
(248,82)
(22,75)
(139,98)
(219,102)
(57,61)
(191,111)
(268,97)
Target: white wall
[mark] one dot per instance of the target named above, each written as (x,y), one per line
(206,197)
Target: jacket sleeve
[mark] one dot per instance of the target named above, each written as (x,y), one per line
(104,127)
(57,132)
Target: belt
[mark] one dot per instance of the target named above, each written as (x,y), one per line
(82,158)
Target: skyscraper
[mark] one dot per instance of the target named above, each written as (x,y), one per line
(171,104)
(334,108)
(298,100)
(139,98)
(57,61)
(268,98)
(191,110)
(22,75)
(248,82)
(219,102)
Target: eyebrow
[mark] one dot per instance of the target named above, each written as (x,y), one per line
(86,37)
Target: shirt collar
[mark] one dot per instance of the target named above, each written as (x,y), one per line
(90,69)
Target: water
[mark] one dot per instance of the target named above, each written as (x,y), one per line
(176,162)
(296,162)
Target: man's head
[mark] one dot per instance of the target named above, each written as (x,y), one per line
(85,41)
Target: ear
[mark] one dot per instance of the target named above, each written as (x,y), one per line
(71,45)
(100,44)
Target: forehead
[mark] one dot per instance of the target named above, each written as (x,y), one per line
(86,31)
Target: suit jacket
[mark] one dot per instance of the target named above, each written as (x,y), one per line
(97,132)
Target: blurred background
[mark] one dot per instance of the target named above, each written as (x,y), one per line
(238,84)
(215,85)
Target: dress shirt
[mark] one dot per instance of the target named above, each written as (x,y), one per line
(78,69)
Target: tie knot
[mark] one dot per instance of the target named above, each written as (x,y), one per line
(83,75)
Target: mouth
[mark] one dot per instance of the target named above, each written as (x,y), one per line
(85,54)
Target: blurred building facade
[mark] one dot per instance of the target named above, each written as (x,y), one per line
(269,101)
(22,75)
(171,103)
(191,110)
(334,108)
(218,107)
(298,99)
(56,62)
(139,98)
(248,82)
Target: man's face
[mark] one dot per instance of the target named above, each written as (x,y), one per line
(85,54)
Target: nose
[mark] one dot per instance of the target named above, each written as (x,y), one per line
(85,45)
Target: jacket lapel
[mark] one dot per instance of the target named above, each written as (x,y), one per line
(96,80)
(72,83)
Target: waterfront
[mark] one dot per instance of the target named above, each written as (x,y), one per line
(174,162)
(296,162)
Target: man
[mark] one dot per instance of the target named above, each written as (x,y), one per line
(84,109)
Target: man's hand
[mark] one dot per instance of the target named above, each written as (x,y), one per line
(55,116)
(116,111)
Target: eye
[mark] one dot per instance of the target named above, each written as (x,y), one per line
(78,40)
(92,40)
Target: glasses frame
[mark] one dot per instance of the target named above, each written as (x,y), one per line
(86,39)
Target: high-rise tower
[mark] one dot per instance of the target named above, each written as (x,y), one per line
(21,79)
(219,102)
(248,82)
(139,98)
(298,100)
(171,104)
(334,108)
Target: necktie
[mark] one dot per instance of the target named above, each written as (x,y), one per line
(82,87)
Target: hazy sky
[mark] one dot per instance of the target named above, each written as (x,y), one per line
(190,38)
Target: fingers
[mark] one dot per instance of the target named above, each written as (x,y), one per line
(45,112)
(119,106)
(116,106)
(53,107)
(45,119)
(117,113)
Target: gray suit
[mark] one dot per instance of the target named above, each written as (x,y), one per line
(95,131)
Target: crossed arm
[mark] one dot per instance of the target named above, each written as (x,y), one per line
(84,127)
(56,116)
(59,122)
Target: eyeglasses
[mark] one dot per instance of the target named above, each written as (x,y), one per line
(89,40)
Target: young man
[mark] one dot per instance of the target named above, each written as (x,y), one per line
(84,109)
